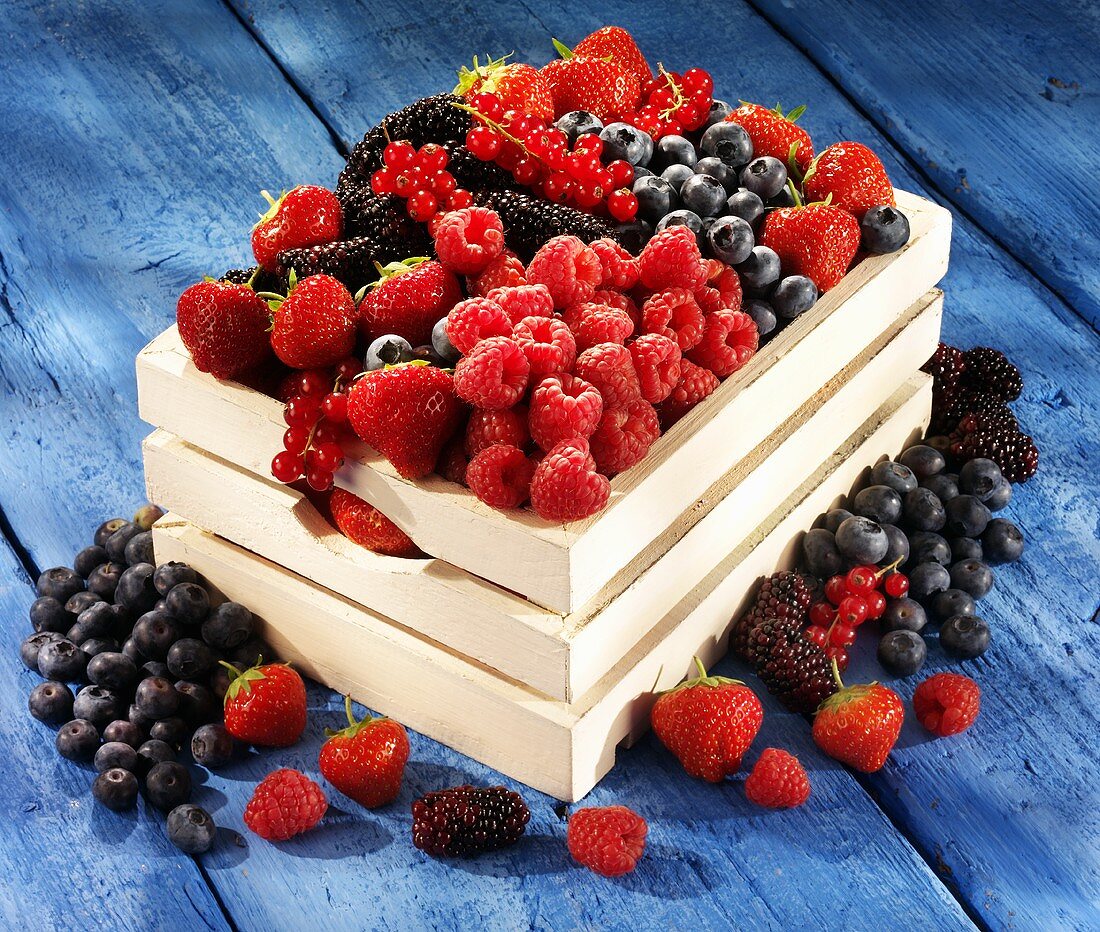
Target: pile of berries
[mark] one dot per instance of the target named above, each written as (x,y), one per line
(672,104)
(420,177)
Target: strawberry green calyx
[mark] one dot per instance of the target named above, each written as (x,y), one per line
(274,299)
(562,49)
(354,725)
(393,269)
(487,74)
(844,694)
(703,680)
(273,206)
(242,679)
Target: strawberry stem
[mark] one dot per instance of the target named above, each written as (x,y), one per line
(836,673)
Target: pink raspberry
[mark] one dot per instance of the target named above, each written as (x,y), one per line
(722,290)
(486,428)
(475,319)
(620,268)
(675,315)
(621,301)
(522,301)
(505,271)
(452,462)
(694,385)
(609,367)
(657,362)
(671,259)
(563,407)
(597,323)
(548,344)
(624,436)
(729,341)
(467,240)
(493,374)
(568,268)
(500,476)
(566,486)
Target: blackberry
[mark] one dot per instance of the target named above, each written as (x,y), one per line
(530,221)
(989,371)
(1014,451)
(463,821)
(948,411)
(264,281)
(473,174)
(349,260)
(946,368)
(383,218)
(782,595)
(797,672)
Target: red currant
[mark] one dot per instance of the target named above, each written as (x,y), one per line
(298,412)
(484,143)
(407,183)
(817,635)
(622,205)
(335,407)
(329,457)
(836,590)
(842,636)
(488,105)
(458,199)
(587,196)
(852,611)
(326,433)
(295,440)
(662,98)
(286,467)
(432,158)
(521,125)
(399,155)
(696,79)
(527,171)
(822,613)
(896,585)
(876,603)
(319,480)
(590,143)
(381,182)
(557,187)
(314,382)
(443,183)
(840,655)
(862,579)
(348,368)
(422,206)
(689,115)
(622,173)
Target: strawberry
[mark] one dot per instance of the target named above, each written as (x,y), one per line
(314,324)
(362,523)
(615,44)
(818,241)
(407,413)
(224,327)
(858,725)
(408,299)
(708,723)
(773,133)
(366,760)
(853,175)
(600,87)
(307,215)
(519,87)
(266,705)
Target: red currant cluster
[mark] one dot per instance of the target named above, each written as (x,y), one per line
(850,600)
(674,103)
(316,417)
(539,157)
(420,176)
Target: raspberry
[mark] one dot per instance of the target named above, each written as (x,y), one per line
(475,319)
(362,523)
(778,781)
(988,370)
(566,486)
(694,385)
(548,344)
(609,367)
(671,259)
(568,268)
(465,820)
(452,462)
(564,407)
(284,804)
(624,436)
(621,301)
(729,341)
(486,428)
(657,362)
(493,374)
(947,703)
(500,476)
(597,323)
(467,240)
(722,290)
(620,268)
(521,301)
(608,840)
(505,271)
(676,315)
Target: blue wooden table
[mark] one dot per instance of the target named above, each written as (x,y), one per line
(135,139)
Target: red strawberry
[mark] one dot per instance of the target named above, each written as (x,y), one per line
(314,323)
(853,175)
(408,299)
(818,241)
(520,87)
(600,87)
(366,760)
(615,44)
(773,133)
(224,327)
(407,413)
(307,215)
(858,725)
(266,705)
(708,723)
(362,523)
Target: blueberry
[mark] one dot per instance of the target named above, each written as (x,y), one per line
(880,503)
(656,198)
(154,668)
(88,559)
(125,731)
(47,614)
(426,353)
(966,516)
(884,229)
(140,548)
(154,633)
(902,652)
(765,176)
(633,236)
(173,731)
(77,740)
(156,697)
(903,615)
(718,111)
(139,719)
(783,199)
(923,460)
(191,829)
(98,705)
(626,142)
(442,344)
(51,702)
(720,172)
(928,547)
(761,269)
(115,754)
(943,484)
(131,650)
(167,785)
(1000,496)
(965,548)
(62,660)
(112,670)
(972,576)
(96,621)
(951,602)
(116,543)
(60,583)
(387,350)
(219,682)
(82,600)
(250,652)
(763,315)
(135,591)
(676,175)
(640,172)
(820,553)
(116,789)
(927,579)
(1002,542)
(32,646)
(197,703)
(106,529)
(673,150)
(728,142)
(148,515)
(861,540)
(93,647)
(188,603)
(189,658)
(685,218)
(980,478)
(924,511)
(228,625)
(703,194)
(170,575)
(965,636)
(212,745)
(746,205)
(153,752)
(835,518)
(578,123)
(731,240)
(899,478)
(898,551)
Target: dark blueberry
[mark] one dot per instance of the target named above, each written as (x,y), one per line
(62,660)
(387,350)
(903,615)
(140,548)
(131,650)
(170,575)
(731,240)
(51,702)
(656,198)
(154,633)
(902,652)
(728,142)
(212,745)
(250,652)
(765,176)
(835,518)
(125,731)
(188,603)
(228,625)
(972,576)
(174,731)
(154,668)
(899,478)
(93,647)
(634,236)
(928,547)
(1002,542)
(862,540)
(148,515)
(426,353)
(965,548)
(924,511)
(139,719)
(926,579)
(783,199)
(191,829)
(1000,496)
(60,583)
(980,478)
(951,602)
(88,559)
(579,122)
(113,670)
(77,740)
(676,175)
(880,503)
(965,636)
(793,296)
(763,315)
(746,205)
(899,545)
(115,754)
(189,658)
(106,529)
(156,697)
(98,705)
(683,218)
(116,544)
(219,682)
(79,602)
(966,516)
(718,111)
(153,752)
(197,703)
(47,614)
(674,150)
(442,344)
(884,229)
(924,460)
(820,554)
(720,172)
(116,789)
(703,194)
(167,785)
(96,621)
(104,579)
(945,485)
(640,172)
(761,269)
(32,646)
(626,142)
(135,591)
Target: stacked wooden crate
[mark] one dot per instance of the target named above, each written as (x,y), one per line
(535,648)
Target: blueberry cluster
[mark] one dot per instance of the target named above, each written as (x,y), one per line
(143,647)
